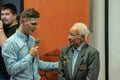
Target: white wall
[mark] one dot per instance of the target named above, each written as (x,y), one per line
(114,38)
(97,29)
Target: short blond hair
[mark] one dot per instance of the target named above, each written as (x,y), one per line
(30,13)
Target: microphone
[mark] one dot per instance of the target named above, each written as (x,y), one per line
(37,41)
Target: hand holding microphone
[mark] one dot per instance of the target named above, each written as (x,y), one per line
(35,49)
(37,41)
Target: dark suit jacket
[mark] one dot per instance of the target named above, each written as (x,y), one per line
(87,65)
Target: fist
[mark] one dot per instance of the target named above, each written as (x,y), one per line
(34,51)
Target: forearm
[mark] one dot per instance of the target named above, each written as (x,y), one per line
(14,67)
(3,37)
(2,34)
(43,65)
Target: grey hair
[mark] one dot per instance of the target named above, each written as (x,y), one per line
(83,30)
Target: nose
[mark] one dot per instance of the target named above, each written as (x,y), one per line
(69,36)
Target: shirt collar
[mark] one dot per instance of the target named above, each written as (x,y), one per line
(22,36)
(78,49)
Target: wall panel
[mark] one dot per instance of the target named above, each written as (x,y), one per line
(57,16)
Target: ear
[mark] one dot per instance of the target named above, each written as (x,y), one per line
(22,21)
(15,16)
(83,37)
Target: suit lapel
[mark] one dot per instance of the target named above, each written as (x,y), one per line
(70,63)
(79,61)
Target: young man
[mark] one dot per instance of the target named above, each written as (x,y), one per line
(78,61)
(8,26)
(20,53)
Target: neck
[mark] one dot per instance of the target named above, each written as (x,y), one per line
(13,23)
(21,30)
(77,46)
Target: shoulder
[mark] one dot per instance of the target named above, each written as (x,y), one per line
(11,40)
(14,41)
(90,49)
(8,45)
(66,47)
(65,50)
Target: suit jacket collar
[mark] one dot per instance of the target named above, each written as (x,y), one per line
(70,62)
(78,62)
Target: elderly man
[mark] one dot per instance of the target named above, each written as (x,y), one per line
(78,61)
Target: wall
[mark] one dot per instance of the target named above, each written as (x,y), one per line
(57,16)
(114,38)
(97,32)
(15,2)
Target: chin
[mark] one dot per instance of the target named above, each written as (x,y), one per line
(5,24)
(31,33)
(71,44)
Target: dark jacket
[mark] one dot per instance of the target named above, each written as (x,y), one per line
(87,66)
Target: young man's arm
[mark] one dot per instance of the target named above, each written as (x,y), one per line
(2,34)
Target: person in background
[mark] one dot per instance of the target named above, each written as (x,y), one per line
(20,53)
(8,26)
(79,60)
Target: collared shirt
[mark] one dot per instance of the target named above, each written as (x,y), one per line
(74,57)
(19,63)
(8,32)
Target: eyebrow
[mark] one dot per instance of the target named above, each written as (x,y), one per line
(34,23)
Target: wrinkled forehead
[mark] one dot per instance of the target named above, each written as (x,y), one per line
(76,30)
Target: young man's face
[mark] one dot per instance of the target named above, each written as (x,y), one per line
(7,17)
(29,25)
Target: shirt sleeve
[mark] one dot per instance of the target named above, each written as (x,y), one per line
(13,65)
(44,65)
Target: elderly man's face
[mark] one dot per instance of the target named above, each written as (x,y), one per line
(75,39)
